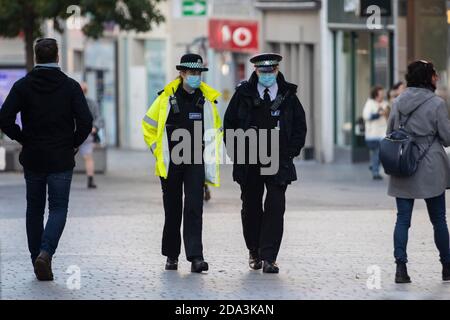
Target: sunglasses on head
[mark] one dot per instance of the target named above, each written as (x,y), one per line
(427,64)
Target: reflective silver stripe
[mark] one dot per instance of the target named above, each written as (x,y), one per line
(150,121)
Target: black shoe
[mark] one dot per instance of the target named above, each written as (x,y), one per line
(91,184)
(172,264)
(254,261)
(43,267)
(446,272)
(270,267)
(401,276)
(199,266)
(377,177)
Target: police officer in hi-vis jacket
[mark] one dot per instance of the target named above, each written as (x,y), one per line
(265,102)
(184,131)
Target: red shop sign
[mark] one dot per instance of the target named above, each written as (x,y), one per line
(233,35)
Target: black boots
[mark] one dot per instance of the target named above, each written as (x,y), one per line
(446,271)
(401,276)
(43,267)
(91,184)
(270,267)
(254,261)
(172,264)
(199,266)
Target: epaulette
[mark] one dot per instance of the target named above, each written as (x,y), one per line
(241,83)
(159,93)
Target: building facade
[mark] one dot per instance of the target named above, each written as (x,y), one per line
(374,48)
(292,28)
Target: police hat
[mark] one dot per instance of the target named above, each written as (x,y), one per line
(191,61)
(266,61)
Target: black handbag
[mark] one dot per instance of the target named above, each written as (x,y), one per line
(399,151)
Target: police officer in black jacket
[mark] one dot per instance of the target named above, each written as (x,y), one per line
(267,101)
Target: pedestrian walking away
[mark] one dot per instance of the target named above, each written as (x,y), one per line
(265,102)
(425,117)
(87,148)
(186,105)
(55,122)
(374,115)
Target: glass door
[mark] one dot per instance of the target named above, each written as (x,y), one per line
(361,60)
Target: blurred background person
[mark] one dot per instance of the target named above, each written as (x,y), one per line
(207,195)
(374,115)
(87,148)
(396,90)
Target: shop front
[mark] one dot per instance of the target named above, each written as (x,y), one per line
(365,55)
(232,43)
(362,58)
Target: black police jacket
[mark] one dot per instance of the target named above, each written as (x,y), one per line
(292,126)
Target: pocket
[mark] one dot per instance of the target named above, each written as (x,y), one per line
(286,174)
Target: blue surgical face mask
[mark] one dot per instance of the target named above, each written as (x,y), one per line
(267,79)
(193,81)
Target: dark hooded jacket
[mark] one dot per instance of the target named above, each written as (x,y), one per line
(428,119)
(55,119)
(243,106)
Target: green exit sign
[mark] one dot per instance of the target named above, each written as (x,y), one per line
(192,8)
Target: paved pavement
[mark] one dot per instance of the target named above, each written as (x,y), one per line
(339,223)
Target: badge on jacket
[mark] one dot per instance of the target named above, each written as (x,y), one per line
(195,116)
(276,113)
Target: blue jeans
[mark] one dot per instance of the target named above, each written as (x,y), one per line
(374,147)
(40,239)
(436,211)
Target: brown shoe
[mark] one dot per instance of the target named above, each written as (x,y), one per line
(43,267)
(207,196)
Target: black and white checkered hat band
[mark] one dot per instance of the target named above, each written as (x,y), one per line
(192,65)
(267,63)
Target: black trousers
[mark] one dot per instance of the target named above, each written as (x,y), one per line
(192,178)
(263,225)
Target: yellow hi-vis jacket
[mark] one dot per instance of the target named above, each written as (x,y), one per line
(155,133)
